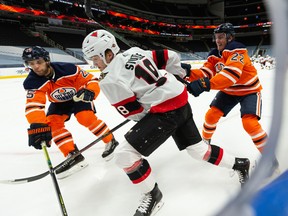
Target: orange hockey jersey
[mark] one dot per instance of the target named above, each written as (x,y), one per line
(67,80)
(230,71)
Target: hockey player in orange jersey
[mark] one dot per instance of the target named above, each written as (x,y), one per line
(229,70)
(70,90)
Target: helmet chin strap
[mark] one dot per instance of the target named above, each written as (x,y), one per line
(107,54)
(105,62)
(102,75)
(51,74)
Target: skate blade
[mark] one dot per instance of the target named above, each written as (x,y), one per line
(157,208)
(109,157)
(72,170)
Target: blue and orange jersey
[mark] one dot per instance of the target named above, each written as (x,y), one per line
(66,81)
(230,71)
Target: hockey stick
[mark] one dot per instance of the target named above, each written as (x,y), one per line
(42,175)
(182,80)
(53,176)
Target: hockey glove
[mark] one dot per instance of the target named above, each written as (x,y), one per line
(197,87)
(84,95)
(39,132)
(187,68)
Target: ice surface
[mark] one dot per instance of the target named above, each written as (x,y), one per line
(189,187)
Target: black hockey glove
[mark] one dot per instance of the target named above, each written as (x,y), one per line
(39,132)
(197,87)
(187,68)
(84,95)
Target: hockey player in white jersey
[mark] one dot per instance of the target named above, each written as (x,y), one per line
(142,86)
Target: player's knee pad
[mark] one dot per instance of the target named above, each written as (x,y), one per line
(86,117)
(213,115)
(126,156)
(250,123)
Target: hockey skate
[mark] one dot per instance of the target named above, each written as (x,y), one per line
(72,165)
(109,149)
(242,166)
(151,202)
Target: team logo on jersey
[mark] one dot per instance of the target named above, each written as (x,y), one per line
(28,50)
(219,66)
(63,94)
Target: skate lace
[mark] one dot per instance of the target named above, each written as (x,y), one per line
(145,203)
(111,145)
(108,146)
(241,176)
(69,158)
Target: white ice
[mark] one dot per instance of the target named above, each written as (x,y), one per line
(189,187)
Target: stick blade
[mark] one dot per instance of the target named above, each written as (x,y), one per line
(24,180)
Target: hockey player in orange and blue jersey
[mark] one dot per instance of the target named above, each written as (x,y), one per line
(70,90)
(229,70)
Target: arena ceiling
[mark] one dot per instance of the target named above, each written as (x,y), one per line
(188,2)
(179,8)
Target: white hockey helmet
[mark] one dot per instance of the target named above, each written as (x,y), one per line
(97,42)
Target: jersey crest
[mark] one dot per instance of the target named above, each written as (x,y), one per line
(63,94)
(219,66)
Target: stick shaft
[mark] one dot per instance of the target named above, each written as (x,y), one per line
(53,176)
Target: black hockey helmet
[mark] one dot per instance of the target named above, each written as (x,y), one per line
(227,28)
(35,52)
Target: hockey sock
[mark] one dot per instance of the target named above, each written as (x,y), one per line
(63,139)
(212,154)
(254,129)
(140,174)
(61,136)
(96,126)
(211,119)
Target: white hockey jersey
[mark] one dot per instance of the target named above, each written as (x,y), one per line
(139,81)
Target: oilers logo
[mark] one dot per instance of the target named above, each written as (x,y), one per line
(219,66)
(63,94)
